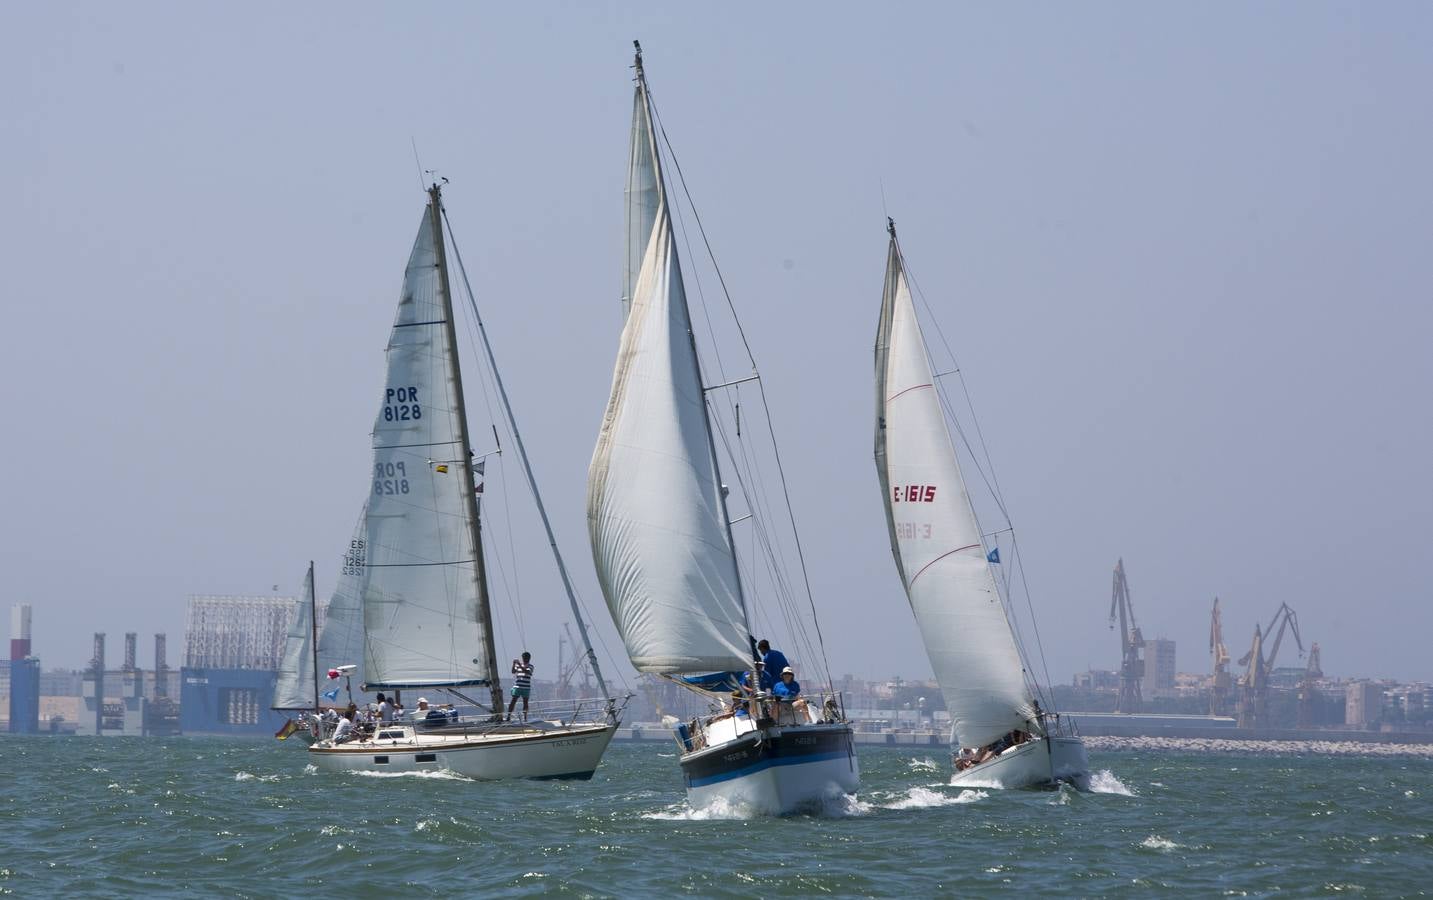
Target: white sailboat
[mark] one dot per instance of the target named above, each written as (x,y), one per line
(297,685)
(427,623)
(662,539)
(1007,740)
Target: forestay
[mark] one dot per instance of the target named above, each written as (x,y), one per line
(655,510)
(935,536)
(294,688)
(420,590)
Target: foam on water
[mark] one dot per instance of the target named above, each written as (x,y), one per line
(250,776)
(924,798)
(719,808)
(1105,782)
(924,765)
(431,774)
(1155,842)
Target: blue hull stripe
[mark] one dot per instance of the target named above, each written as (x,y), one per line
(764,764)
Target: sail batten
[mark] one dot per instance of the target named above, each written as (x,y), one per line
(935,537)
(655,508)
(420,573)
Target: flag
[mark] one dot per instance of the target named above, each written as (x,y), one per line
(443,469)
(993,556)
(330,695)
(289,728)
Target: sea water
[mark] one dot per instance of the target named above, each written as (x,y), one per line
(214,816)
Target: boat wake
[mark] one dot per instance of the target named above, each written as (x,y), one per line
(250,776)
(925,798)
(1105,782)
(923,765)
(427,774)
(718,809)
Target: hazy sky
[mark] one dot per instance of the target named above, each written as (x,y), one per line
(1182,254)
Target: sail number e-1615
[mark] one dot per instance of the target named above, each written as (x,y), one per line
(913,493)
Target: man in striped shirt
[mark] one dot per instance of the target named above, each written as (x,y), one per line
(521,683)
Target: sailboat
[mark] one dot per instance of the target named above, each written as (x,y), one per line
(297,685)
(1007,739)
(662,537)
(427,621)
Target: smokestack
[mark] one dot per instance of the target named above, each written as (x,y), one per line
(20,631)
(131,639)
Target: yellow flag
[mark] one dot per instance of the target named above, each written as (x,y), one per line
(443,469)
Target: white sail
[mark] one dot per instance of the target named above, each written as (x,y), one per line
(655,510)
(294,688)
(642,197)
(420,588)
(340,640)
(935,536)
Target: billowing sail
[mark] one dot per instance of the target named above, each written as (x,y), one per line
(340,640)
(935,537)
(420,588)
(642,198)
(294,689)
(655,509)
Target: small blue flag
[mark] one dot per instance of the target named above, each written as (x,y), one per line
(331,695)
(993,556)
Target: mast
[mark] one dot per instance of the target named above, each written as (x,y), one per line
(532,482)
(465,451)
(696,360)
(313,624)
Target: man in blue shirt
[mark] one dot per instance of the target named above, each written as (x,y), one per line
(774,660)
(763,675)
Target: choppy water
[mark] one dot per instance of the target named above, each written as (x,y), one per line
(224,817)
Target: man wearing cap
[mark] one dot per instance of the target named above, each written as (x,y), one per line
(764,677)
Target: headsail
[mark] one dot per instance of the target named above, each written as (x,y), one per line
(420,590)
(935,536)
(340,640)
(643,196)
(294,688)
(655,509)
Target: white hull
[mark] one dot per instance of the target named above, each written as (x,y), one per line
(545,750)
(1043,762)
(773,771)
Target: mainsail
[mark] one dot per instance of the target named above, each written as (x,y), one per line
(294,688)
(421,588)
(655,508)
(935,536)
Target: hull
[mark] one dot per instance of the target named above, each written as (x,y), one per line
(775,770)
(1046,762)
(547,750)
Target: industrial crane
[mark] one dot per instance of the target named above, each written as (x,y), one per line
(1131,644)
(1308,691)
(566,668)
(1254,684)
(1220,689)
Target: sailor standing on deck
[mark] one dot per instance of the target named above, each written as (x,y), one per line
(522,683)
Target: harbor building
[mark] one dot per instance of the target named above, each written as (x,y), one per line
(1158,668)
(24,670)
(233,647)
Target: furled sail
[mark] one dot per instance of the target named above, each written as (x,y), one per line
(935,536)
(655,509)
(294,688)
(340,640)
(420,587)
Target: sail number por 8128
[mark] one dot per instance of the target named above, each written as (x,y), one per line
(390,478)
(913,493)
(401,405)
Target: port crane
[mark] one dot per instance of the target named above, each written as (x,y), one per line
(566,668)
(1254,684)
(1131,644)
(1308,691)
(1219,690)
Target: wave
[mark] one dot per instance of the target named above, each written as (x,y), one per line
(250,776)
(923,765)
(1105,782)
(1155,842)
(925,798)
